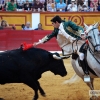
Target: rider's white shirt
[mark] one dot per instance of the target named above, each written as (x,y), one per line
(64,40)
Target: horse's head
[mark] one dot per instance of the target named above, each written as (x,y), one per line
(93,37)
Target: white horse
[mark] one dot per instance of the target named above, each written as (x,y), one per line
(93,57)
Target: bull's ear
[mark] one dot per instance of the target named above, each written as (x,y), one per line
(96,25)
(85,26)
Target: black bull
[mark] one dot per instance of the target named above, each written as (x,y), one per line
(18,66)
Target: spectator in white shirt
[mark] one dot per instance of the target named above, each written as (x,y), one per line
(27,27)
(72,6)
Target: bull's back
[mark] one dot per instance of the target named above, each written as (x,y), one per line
(15,63)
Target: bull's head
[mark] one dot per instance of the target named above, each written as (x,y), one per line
(58,67)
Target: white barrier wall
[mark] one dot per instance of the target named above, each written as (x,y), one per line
(35,20)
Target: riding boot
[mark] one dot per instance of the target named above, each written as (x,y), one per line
(84,66)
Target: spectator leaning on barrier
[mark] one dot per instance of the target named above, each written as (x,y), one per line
(11,6)
(27,27)
(61,6)
(39,27)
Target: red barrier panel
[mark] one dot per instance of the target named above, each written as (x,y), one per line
(11,39)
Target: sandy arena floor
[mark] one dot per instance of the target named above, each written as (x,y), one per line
(52,86)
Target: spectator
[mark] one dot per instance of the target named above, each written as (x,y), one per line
(45,5)
(93,5)
(13,27)
(50,6)
(22,26)
(98,8)
(57,1)
(68,2)
(5,5)
(61,6)
(0,7)
(42,1)
(27,27)
(85,8)
(72,6)
(38,6)
(39,27)
(19,5)
(4,24)
(27,6)
(11,6)
(80,4)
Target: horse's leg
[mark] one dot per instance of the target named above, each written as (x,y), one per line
(91,86)
(73,79)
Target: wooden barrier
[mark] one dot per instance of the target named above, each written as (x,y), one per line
(79,18)
(17,18)
(11,39)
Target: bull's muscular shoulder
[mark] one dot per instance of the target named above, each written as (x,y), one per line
(31,60)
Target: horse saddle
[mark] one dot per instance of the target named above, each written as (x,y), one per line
(85,66)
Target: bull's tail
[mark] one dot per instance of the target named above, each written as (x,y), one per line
(73,79)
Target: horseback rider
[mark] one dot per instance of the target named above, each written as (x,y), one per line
(66,32)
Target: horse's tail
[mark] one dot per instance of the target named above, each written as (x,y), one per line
(73,79)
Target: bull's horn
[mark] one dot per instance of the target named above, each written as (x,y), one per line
(96,25)
(61,57)
(85,26)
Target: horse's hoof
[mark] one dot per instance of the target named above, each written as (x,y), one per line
(94,98)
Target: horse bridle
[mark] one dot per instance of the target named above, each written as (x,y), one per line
(91,42)
(91,51)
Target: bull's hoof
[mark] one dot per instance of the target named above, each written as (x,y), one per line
(34,99)
(44,95)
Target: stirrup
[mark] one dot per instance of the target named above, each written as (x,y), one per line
(87,78)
